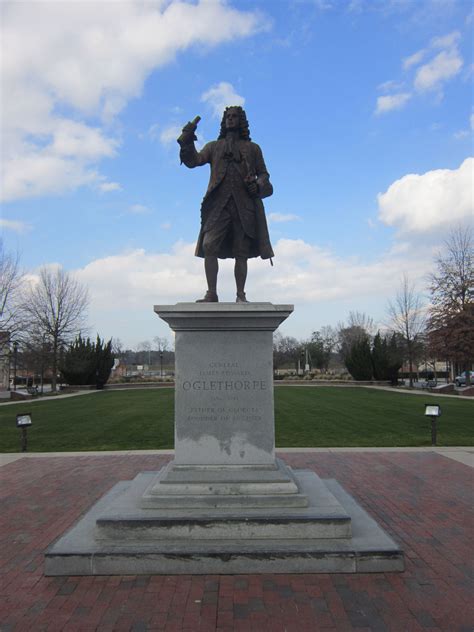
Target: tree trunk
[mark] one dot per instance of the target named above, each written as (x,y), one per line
(54,366)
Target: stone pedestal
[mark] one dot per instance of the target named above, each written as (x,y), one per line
(224,382)
(225,504)
(224,414)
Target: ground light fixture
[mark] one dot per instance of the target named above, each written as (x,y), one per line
(23,420)
(433,411)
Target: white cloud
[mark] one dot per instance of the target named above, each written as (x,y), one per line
(88,59)
(64,161)
(221,96)
(169,134)
(165,225)
(106,187)
(304,274)
(15,225)
(139,209)
(442,67)
(423,202)
(463,133)
(446,41)
(387,86)
(283,217)
(429,77)
(153,132)
(390,102)
(36,172)
(471,121)
(414,59)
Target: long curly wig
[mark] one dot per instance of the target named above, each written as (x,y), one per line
(244,131)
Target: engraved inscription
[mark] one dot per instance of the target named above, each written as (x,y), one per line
(226,385)
(225,414)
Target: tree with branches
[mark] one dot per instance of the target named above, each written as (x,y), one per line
(451,315)
(321,346)
(359,327)
(11,279)
(407,318)
(286,350)
(55,309)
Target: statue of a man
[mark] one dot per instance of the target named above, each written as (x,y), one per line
(233,223)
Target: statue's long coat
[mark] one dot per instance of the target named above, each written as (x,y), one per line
(247,161)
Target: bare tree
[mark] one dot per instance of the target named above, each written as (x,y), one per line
(161,343)
(359,327)
(11,279)
(117,347)
(321,346)
(452,285)
(55,307)
(451,315)
(285,350)
(143,350)
(363,321)
(407,318)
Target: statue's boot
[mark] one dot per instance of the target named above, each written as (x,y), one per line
(241,298)
(209,297)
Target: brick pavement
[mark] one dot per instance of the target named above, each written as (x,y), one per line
(422,499)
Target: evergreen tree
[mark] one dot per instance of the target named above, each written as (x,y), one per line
(395,348)
(387,356)
(86,362)
(104,362)
(358,361)
(380,357)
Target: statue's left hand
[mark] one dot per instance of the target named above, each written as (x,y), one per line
(252,188)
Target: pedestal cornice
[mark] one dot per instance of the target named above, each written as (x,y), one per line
(223,316)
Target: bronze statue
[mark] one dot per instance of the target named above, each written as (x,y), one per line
(233,223)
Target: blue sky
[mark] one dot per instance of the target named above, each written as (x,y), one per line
(363,110)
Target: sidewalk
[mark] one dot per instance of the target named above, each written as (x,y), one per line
(463,454)
(421,498)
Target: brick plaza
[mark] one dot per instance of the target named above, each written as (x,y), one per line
(424,500)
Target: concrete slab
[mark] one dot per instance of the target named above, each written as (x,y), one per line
(369,549)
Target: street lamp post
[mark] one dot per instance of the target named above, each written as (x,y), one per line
(161,363)
(433,411)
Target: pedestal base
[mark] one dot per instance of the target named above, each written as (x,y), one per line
(210,487)
(332,534)
(225,504)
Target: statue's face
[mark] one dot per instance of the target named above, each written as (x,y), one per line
(232,119)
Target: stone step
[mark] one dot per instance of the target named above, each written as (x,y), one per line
(214,487)
(223,528)
(81,552)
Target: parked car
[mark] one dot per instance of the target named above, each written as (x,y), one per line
(460,380)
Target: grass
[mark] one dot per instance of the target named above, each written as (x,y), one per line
(304,417)
(344,417)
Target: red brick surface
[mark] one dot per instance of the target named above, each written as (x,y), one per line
(422,499)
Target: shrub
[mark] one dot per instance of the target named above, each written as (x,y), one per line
(358,360)
(86,362)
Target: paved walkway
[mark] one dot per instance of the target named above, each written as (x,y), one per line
(277,384)
(463,454)
(423,499)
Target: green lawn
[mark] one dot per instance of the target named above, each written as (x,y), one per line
(305,417)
